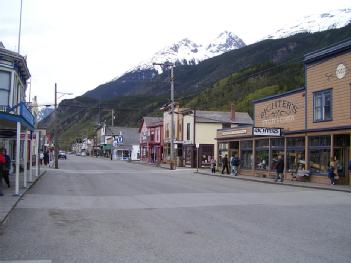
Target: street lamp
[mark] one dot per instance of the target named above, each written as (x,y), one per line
(171,65)
(55,124)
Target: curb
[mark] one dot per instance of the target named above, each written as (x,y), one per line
(3,221)
(274,183)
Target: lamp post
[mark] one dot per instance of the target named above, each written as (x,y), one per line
(167,64)
(55,125)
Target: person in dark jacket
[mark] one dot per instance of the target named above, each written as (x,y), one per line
(280,169)
(225,164)
(46,157)
(2,164)
(6,167)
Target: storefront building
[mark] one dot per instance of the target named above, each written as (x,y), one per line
(307,126)
(16,120)
(199,133)
(151,139)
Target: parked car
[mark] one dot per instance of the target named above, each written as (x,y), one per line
(62,155)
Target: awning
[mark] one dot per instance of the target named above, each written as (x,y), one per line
(9,121)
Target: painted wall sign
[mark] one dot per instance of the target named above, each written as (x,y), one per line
(267,131)
(234,132)
(340,71)
(278,111)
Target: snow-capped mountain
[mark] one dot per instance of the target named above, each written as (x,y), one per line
(189,52)
(315,23)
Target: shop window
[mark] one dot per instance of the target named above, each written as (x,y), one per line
(295,142)
(295,154)
(222,151)
(277,150)
(262,154)
(319,160)
(246,155)
(322,105)
(319,141)
(295,159)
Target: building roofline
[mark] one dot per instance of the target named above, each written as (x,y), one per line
(17,58)
(276,96)
(328,51)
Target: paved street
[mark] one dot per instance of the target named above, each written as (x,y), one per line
(97,210)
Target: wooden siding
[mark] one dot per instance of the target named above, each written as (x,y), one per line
(322,75)
(287,112)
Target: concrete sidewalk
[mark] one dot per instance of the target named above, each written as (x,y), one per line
(341,188)
(204,171)
(9,201)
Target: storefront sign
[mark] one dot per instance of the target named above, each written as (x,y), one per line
(234,132)
(278,112)
(267,131)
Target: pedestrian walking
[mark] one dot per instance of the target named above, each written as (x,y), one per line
(2,164)
(213,165)
(46,158)
(235,162)
(225,164)
(6,167)
(331,171)
(280,169)
(41,157)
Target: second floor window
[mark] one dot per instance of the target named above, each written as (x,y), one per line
(188,131)
(322,105)
(5,81)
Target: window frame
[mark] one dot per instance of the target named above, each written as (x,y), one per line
(323,94)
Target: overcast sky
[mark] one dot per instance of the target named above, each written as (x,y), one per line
(80,44)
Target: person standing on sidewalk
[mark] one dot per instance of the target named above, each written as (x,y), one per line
(225,164)
(6,167)
(2,164)
(213,165)
(331,170)
(280,169)
(235,162)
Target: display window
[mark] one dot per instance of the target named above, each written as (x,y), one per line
(246,155)
(262,154)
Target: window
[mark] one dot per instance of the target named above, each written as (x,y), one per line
(188,131)
(5,81)
(295,154)
(246,155)
(322,105)
(262,154)
(167,131)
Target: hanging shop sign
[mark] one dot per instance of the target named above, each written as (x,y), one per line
(258,131)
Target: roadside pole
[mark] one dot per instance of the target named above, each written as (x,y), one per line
(197,157)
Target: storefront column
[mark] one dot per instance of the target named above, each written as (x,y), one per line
(25,158)
(307,158)
(253,156)
(30,158)
(269,155)
(18,148)
(285,153)
(37,141)
(332,146)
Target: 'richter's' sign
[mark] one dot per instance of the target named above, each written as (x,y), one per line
(278,111)
(267,131)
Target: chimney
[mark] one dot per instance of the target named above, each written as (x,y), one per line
(232,112)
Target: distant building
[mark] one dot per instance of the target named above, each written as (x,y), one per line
(120,143)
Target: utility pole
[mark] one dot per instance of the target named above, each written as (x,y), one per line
(56,146)
(167,64)
(55,130)
(172,119)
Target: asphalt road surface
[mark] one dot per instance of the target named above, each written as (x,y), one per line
(97,210)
